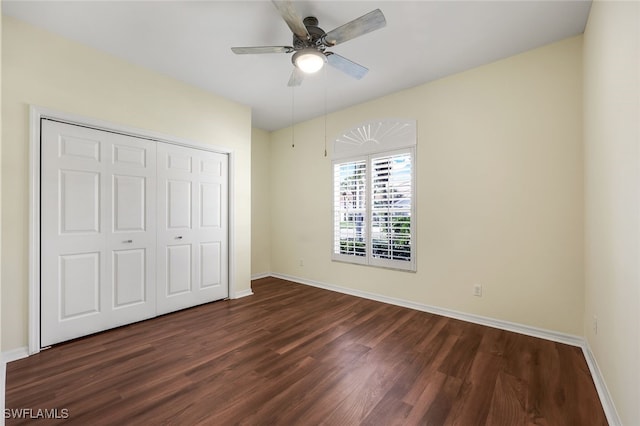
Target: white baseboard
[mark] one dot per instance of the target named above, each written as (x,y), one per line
(259,276)
(15,354)
(603,392)
(476,319)
(243,293)
(601,387)
(6,357)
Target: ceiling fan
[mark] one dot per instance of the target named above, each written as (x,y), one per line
(310,42)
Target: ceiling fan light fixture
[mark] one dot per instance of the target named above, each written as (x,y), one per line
(308,60)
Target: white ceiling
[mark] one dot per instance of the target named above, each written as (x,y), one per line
(191,40)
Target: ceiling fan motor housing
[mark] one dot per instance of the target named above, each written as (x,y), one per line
(316,33)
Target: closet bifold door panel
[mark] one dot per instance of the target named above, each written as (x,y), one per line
(98,230)
(192,227)
(130,228)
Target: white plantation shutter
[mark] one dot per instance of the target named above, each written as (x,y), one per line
(391,208)
(350,208)
(373,194)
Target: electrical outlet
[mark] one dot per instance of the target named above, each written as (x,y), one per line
(477,290)
(301,262)
(595,324)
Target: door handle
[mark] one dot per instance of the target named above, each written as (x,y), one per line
(127,241)
(179,237)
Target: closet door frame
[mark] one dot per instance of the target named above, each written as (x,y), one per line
(36,114)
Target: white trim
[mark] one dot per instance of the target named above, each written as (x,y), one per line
(554,336)
(34,232)
(3,386)
(260,276)
(15,354)
(5,358)
(231,221)
(243,293)
(375,136)
(36,114)
(601,387)
(108,126)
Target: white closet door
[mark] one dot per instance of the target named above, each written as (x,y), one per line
(98,231)
(192,227)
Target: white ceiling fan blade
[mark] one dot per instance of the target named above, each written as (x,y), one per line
(296,77)
(290,16)
(261,49)
(365,24)
(345,65)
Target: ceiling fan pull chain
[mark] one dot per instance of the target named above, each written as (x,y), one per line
(325,112)
(293,123)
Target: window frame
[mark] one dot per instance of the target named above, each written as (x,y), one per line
(369,259)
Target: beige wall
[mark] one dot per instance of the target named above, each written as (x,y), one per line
(43,69)
(260,203)
(612,196)
(499,192)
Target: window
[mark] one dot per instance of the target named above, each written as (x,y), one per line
(374,220)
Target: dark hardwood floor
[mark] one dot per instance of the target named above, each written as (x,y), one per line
(298,355)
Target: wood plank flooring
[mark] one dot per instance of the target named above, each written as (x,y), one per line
(298,355)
